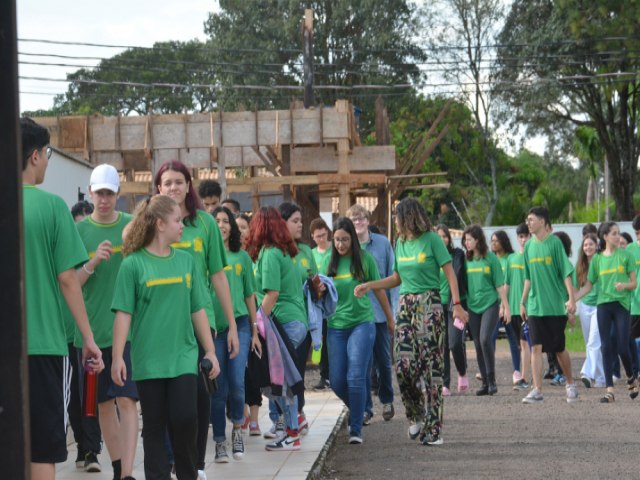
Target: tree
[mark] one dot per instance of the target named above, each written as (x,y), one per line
(589,151)
(162,79)
(356,43)
(572,63)
(462,38)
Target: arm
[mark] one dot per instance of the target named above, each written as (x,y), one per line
(250,301)
(72,293)
(504,303)
(121,325)
(269,301)
(458,311)
(391,281)
(571,303)
(203,332)
(630,285)
(586,288)
(523,301)
(386,308)
(103,253)
(221,286)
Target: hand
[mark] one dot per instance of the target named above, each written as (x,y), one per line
(361,290)
(391,326)
(620,286)
(233,345)
(256,346)
(571,318)
(215,371)
(91,351)
(523,312)
(506,317)
(118,371)
(571,306)
(460,313)
(103,253)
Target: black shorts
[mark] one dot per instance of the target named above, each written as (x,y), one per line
(516,324)
(548,331)
(49,384)
(107,390)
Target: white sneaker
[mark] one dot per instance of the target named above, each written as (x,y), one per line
(414,431)
(202,475)
(534,396)
(237,444)
(276,431)
(572,393)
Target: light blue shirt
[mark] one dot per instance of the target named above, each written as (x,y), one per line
(382,252)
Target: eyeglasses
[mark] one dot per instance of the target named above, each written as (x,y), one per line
(342,240)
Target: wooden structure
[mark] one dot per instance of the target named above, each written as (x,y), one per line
(311,150)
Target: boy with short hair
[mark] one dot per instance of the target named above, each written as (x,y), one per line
(210,192)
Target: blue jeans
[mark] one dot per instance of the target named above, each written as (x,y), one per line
(613,317)
(350,352)
(297,333)
(514,344)
(381,360)
(231,380)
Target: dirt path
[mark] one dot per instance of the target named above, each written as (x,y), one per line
(499,437)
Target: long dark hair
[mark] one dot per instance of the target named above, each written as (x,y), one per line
(604,229)
(477,233)
(192,201)
(447,233)
(503,240)
(343,223)
(234,234)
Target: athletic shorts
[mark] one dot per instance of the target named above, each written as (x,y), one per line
(107,390)
(548,331)
(635,326)
(49,386)
(516,324)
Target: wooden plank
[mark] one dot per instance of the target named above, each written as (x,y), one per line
(352,179)
(361,159)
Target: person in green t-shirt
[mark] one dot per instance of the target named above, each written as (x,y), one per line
(321,235)
(52,252)
(306,266)
(634,249)
(419,332)
(200,238)
(486,298)
(592,373)
(351,330)
(231,379)
(161,298)
(243,220)
(547,298)
(279,292)
(614,270)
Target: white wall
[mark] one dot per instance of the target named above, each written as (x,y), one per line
(65,176)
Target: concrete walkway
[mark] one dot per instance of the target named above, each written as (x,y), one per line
(322,410)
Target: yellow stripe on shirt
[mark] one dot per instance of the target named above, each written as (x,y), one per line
(164,281)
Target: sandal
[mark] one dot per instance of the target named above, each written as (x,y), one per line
(608,398)
(632,382)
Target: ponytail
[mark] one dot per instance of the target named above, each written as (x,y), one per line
(142,228)
(604,229)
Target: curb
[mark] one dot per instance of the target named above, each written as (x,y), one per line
(316,470)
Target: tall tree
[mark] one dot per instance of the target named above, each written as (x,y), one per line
(462,36)
(573,63)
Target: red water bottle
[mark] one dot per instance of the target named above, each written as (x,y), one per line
(90,393)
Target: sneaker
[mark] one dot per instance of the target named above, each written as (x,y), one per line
(276,430)
(517,376)
(586,382)
(388,411)
(202,475)
(632,383)
(616,379)
(414,431)
(237,444)
(478,376)
(431,439)
(91,463)
(221,453)
(303,425)
(446,392)
(80,459)
(355,439)
(245,425)
(323,384)
(521,385)
(290,442)
(559,381)
(463,384)
(366,418)
(534,396)
(572,393)
(550,373)
(254,429)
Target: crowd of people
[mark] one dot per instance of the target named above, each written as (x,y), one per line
(197,311)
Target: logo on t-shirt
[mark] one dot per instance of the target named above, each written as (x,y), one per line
(422,257)
(238,269)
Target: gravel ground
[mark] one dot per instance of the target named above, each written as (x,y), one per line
(499,437)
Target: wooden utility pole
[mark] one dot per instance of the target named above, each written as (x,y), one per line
(15,450)
(307,56)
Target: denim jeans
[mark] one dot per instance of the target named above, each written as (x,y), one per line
(514,343)
(381,361)
(613,317)
(297,333)
(230,380)
(350,352)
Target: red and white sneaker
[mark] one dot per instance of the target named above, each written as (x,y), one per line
(303,425)
(245,425)
(289,443)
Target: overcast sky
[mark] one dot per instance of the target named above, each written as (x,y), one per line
(115,22)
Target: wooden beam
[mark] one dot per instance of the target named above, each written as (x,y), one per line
(350,178)
(360,159)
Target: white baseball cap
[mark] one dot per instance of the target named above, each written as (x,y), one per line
(105,177)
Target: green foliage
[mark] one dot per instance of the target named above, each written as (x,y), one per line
(592,213)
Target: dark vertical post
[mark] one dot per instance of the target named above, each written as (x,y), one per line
(15,451)
(307,56)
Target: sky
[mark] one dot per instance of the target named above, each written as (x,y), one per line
(113,22)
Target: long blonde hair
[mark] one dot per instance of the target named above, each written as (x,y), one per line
(142,229)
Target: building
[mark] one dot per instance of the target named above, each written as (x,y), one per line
(67,176)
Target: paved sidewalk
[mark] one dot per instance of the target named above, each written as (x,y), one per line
(322,410)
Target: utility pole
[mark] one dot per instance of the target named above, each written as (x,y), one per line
(307,58)
(15,443)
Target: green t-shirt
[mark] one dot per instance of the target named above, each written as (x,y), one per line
(320,257)
(484,276)
(514,277)
(305,262)
(609,270)
(98,290)
(546,266)
(160,293)
(590,298)
(51,246)
(445,289)
(352,311)
(275,270)
(634,249)
(204,242)
(418,262)
(239,274)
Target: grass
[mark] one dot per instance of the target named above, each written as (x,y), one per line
(573,337)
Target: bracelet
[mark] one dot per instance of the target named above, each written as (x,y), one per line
(456,303)
(89,272)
